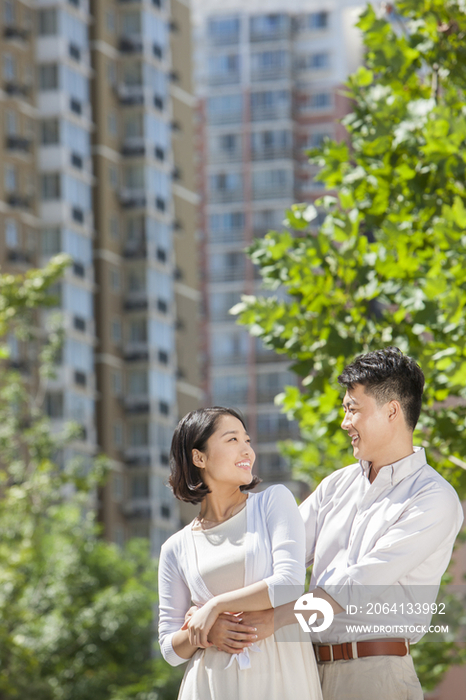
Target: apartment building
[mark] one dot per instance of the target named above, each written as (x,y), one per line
(269,83)
(97,107)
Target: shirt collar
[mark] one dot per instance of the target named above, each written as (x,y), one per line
(399,470)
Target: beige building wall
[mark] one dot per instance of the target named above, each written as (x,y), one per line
(18,124)
(143,329)
(136,501)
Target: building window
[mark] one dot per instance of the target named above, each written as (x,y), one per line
(116,330)
(50,186)
(110,21)
(48,24)
(9,67)
(320,100)
(140,486)
(117,383)
(139,434)
(113,176)
(224,29)
(48,77)
(138,331)
(54,404)
(115,279)
(114,229)
(117,487)
(9,12)
(138,382)
(11,178)
(112,124)
(50,131)
(117,435)
(318,20)
(136,281)
(11,234)
(11,123)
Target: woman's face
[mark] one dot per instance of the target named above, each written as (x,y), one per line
(229,457)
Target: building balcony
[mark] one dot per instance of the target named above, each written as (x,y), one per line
(19,257)
(271,73)
(14,89)
(272,153)
(233,117)
(135,249)
(136,352)
(224,39)
(137,405)
(17,143)
(135,302)
(15,32)
(224,360)
(133,148)
(137,456)
(235,235)
(131,44)
(225,156)
(268,113)
(224,78)
(132,198)
(130,95)
(275,35)
(138,512)
(273,192)
(235,274)
(18,201)
(221,196)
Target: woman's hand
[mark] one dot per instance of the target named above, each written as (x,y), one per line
(200,623)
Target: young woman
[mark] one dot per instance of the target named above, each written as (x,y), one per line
(244,552)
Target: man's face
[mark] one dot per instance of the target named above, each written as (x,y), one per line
(368,424)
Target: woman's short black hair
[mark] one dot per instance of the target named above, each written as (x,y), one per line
(192,433)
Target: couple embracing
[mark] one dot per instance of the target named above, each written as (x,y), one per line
(381,529)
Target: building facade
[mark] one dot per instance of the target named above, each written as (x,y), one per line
(269,84)
(97,111)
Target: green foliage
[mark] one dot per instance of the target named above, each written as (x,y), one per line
(76,613)
(387,266)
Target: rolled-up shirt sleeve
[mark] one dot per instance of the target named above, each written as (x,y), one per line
(424,532)
(174,602)
(287,538)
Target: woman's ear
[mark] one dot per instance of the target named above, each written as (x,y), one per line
(198,459)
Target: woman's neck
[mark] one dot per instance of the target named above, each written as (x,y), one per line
(221,505)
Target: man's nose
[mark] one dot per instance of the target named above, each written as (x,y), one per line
(345,423)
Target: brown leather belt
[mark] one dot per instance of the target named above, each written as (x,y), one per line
(356,650)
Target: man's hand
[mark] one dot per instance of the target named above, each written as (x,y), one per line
(262,620)
(229,634)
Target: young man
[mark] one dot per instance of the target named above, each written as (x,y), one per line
(379,531)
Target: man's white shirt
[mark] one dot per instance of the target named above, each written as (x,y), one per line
(380,543)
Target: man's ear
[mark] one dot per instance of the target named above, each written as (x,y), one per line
(198,459)
(394,410)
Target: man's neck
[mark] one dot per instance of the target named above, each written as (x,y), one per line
(397,455)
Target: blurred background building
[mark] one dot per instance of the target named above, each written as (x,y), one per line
(97,161)
(269,78)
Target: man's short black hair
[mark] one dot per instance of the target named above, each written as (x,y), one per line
(387,375)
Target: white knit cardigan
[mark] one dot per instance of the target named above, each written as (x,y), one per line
(274,552)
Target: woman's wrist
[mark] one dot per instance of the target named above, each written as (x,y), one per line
(218,604)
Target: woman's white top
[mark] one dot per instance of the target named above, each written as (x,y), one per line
(274,548)
(220,553)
